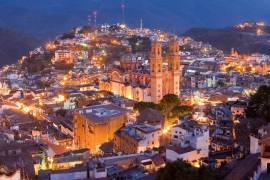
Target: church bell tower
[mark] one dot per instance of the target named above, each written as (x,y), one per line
(156,71)
(174,67)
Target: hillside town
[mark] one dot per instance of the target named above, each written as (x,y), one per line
(114,102)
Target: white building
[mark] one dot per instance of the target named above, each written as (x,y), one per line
(190,142)
(260,143)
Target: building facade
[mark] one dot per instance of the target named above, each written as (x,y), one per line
(148,84)
(137,138)
(194,135)
(63,56)
(96,125)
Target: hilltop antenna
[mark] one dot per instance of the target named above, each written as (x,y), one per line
(141,24)
(95,17)
(89,19)
(123,7)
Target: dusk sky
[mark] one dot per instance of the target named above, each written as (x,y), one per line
(50,17)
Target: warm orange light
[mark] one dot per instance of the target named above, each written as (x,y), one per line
(259,32)
(50,45)
(59,98)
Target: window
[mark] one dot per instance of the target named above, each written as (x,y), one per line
(267,148)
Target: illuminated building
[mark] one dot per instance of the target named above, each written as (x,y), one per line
(136,139)
(148,85)
(96,125)
(238,109)
(189,142)
(4,88)
(193,135)
(64,56)
(69,159)
(164,81)
(260,148)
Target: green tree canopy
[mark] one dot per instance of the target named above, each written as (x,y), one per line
(180,170)
(169,106)
(169,102)
(180,111)
(140,106)
(259,104)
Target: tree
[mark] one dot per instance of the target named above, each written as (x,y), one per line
(140,106)
(181,111)
(37,62)
(179,169)
(167,104)
(87,29)
(69,35)
(259,104)
(139,43)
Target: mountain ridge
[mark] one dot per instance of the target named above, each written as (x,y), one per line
(245,41)
(14,44)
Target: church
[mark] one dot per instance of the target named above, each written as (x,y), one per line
(149,84)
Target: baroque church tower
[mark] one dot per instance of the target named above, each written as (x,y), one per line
(156,72)
(174,67)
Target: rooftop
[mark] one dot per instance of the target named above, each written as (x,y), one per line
(181,150)
(146,128)
(100,113)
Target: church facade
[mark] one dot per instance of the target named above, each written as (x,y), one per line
(147,84)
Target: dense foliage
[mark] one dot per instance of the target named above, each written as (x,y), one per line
(259,104)
(180,170)
(140,43)
(37,62)
(169,106)
(140,106)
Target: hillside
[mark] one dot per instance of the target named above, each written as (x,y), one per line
(14,44)
(244,40)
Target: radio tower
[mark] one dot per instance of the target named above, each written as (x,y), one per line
(95,17)
(123,7)
(141,24)
(89,17)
